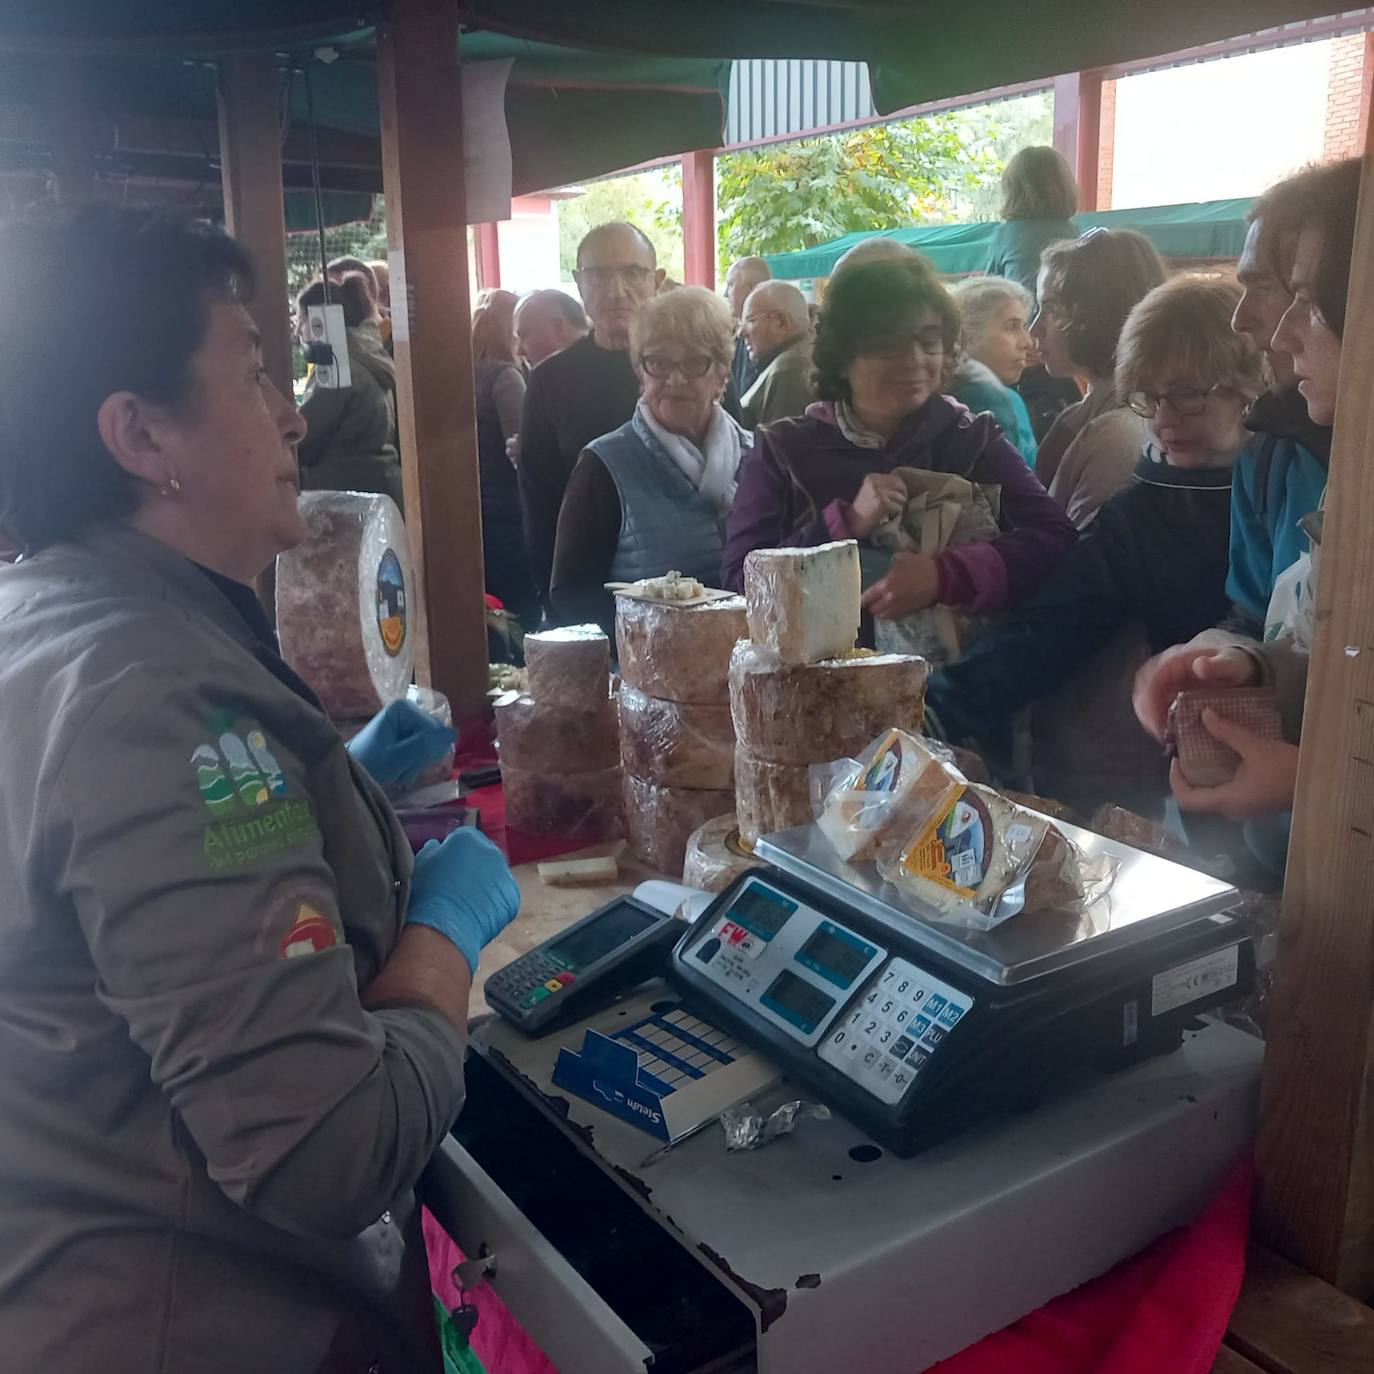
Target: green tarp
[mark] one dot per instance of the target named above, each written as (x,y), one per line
(1207,229)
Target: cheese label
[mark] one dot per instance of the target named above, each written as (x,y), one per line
(955,848)
(882,773)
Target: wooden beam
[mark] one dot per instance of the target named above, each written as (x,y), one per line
(420,92)
(487,240)
(1078,129)
(699,217)
(1315,1152)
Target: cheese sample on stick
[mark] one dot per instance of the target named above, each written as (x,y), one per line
(819,712)
(569,667)
(716,856)
(804,603)
(770,796)
(679,653)
(585,806)
(660,820)
(676,744)
(533,734)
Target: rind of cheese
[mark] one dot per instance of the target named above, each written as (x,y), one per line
(660,820)
(803,604)
(819,712)
(676,744)
(584,806)
(770,796)
(679,653)
(569,667)
(534,734)
(715,856)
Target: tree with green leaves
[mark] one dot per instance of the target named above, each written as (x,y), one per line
(888,176)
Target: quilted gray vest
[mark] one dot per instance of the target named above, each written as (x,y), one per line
(665,523)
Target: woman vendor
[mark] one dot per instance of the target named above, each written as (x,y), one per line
(652,496)
(232,1007)
(885,348)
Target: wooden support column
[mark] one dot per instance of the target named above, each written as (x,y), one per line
(70,132)
(1078,129)
(420,93)
(249,89)
(488,243)
(699,217)
(1315,1153)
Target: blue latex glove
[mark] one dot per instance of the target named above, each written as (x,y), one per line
(400,742)
(463,888)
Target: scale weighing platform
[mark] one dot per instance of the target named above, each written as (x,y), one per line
(889,1236)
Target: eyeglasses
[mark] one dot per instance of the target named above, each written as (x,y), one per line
(694,365)
(604,276)
(1183,400)
(893,347)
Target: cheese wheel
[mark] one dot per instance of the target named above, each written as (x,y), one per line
(569,667)
(803,604)
(679,653)
(676,744)
(819,712)
(584,806)
(660,820)
(716,856)
(534,734)
(343,598)
(770,796)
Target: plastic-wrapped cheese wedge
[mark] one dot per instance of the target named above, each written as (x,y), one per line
(569,667)
(804,603)
(584,806)
(676,744)
(819,712)
(679,653)
(770,797)
(533,735)
(660,820)
(897,781)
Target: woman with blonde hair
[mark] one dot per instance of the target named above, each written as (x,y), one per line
(995,342)
(653,495)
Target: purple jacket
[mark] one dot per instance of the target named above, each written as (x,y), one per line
(796,485)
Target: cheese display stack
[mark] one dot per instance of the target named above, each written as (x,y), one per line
(677,742)
(560,752)
(800,693)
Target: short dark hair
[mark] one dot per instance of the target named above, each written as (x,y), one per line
(645,241)
(100,298)
(350,291)
(1322,197)
(1092,283)
(870,300)
(340,267)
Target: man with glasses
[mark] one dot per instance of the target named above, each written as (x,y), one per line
(587,390)
(776,329)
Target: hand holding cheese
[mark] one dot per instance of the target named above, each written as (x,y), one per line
(881,497)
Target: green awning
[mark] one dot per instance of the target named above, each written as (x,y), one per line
(1206,229)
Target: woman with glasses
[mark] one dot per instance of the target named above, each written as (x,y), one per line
(885,349)
(1150,572)
(652,496)
(1087,288)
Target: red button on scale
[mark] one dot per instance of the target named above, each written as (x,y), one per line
(565,977)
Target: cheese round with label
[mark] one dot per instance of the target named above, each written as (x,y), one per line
(679,653)
(676,744)
(343,602)
(661,819)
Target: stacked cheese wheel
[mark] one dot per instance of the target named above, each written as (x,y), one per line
(677,742)
(560,757)
(800,694)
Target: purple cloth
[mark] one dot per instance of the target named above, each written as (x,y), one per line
(796,485)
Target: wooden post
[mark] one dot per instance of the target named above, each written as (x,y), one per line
(488,244)
(699,217)
(1315,1154)
(70,135)
(1078,129)
(420,93)
(254,211)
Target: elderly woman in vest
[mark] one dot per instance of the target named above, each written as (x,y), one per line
(653,495)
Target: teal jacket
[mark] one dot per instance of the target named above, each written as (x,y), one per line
(978,387)
(1018,244)
(1275,483)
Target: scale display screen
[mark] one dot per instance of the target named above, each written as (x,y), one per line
(583,948)
(797,1001)
(762,911)
(835,954)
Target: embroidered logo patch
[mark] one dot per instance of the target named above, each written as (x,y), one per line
(310,932)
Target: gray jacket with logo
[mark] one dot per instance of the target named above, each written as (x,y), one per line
(207,1147)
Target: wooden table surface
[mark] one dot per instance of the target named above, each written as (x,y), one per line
(544,911)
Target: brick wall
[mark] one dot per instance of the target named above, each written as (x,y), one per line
(1106,146)
(1347,113)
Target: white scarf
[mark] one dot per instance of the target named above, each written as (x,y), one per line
(713,472)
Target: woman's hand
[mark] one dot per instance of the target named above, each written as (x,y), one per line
(912,584)
(1264,782)
(881,497)
(1180,669)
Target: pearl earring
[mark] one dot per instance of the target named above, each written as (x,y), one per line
(171,487)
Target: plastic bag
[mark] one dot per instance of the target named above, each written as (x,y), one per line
(746,1129)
